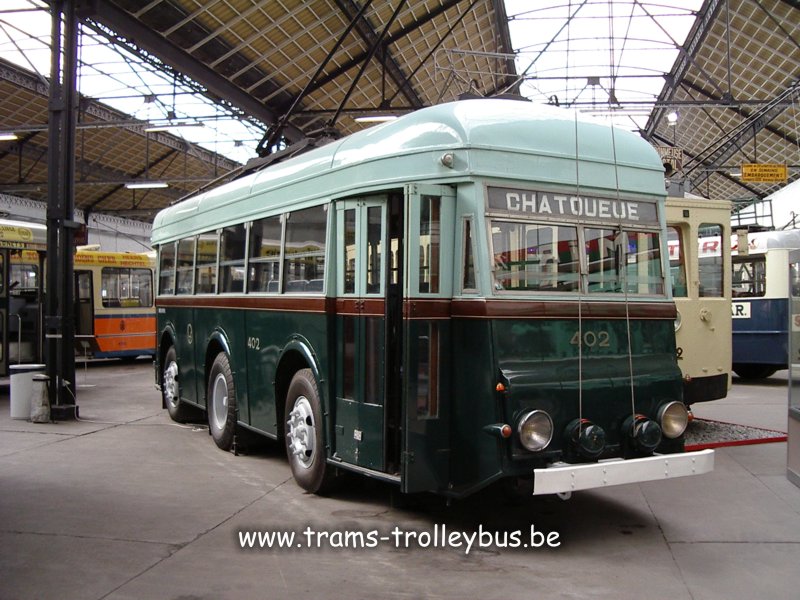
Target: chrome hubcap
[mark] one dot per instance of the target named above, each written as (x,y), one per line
(171,384)
(301,432)
(219,401)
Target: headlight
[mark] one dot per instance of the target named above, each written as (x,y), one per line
(645,432)
(674,418)
(587,438)
(677,320)
(535,430)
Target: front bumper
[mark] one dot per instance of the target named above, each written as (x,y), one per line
(561,478)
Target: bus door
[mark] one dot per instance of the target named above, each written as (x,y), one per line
(359,416)
(4,270)
(24,306)
(430,218)
(84,314)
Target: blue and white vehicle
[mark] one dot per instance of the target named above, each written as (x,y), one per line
(763,283)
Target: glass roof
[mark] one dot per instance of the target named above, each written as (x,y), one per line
(601,57)
(148,91)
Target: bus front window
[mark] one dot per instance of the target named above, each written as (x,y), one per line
(539,257)
(535,257)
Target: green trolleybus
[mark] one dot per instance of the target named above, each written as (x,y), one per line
(473,292)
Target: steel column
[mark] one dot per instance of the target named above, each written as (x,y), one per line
(59,319)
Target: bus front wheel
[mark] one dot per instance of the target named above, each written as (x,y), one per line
(305,445)
(221,402)
(170,389)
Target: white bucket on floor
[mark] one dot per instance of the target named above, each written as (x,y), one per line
(21,388)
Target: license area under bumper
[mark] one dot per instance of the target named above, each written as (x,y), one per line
(560,478)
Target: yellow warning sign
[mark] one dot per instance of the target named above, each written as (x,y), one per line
(764,172)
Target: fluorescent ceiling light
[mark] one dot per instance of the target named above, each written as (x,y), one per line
(169,126)
(8,137)
(375,118)
(146,185)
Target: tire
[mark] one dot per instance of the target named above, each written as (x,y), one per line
(221,400)
(305,443)
(754,371)
(170,389)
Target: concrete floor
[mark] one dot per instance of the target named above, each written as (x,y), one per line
(126,504)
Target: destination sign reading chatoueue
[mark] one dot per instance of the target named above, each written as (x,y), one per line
(571,207)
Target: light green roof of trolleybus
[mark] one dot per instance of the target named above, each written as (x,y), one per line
(502,139)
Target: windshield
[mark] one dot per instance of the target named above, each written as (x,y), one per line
(547,257)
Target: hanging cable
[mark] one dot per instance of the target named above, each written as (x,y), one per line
(581,270)
(623,265)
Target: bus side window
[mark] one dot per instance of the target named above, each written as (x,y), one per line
(205,264)
(677,262)
(304,249)
(166,269)
(794,279)
(265,254)
(185,266)
(231,259)
(142,286)
(122,287)
(468,283)
(428,372)
(429,237)
(749,277)
(710,263)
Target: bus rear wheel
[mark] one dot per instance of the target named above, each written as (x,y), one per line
(305,444)
(170,389)
(221,402)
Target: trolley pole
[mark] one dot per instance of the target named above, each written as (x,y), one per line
(59,321)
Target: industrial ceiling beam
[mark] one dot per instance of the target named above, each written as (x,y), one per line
(268,144)
(376,41)
(145,170)
(390,39)
(512,84)
(147,39)
(705,18)
(103,116)
(737,108)
(734,140)
(93,174)
(657,138)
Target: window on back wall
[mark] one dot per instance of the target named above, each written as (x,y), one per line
(304,251)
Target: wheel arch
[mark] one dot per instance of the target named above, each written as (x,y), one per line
(166,340)
(217,342)
(296,355)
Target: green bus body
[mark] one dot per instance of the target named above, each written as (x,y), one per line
(475,262)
